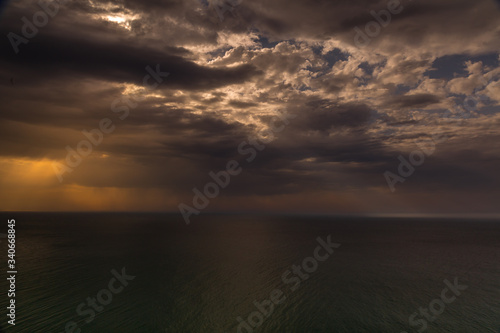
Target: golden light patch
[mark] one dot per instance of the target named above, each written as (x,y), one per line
(31,185)
(123,20)
(26,172)
(132,89)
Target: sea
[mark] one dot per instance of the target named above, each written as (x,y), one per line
(150,272)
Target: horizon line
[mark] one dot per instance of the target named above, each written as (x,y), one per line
(341,215)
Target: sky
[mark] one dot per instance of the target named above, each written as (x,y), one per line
(336,107)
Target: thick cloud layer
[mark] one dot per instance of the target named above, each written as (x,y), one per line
(369,84)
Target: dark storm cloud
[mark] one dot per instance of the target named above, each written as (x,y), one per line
(70,58)
(324,18)
(326,114)
(209,142)
(455,167)
(413,101)
(153,5)
(314,163)
(242,105)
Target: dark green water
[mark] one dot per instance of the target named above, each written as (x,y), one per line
(201,277)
